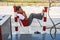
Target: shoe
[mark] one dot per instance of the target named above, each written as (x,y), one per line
(37,32)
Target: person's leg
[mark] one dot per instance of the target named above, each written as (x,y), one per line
(30,19)
(37,16)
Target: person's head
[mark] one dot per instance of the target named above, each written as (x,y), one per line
(19,9)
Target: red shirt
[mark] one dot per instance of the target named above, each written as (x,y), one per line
(24,22)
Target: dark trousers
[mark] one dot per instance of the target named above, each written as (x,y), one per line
(37,16)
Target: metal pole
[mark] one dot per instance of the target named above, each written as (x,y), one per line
(11,28)
(50,2)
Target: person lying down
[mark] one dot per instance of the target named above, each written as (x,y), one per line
(27,21)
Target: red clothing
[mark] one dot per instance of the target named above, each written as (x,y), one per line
(24,22)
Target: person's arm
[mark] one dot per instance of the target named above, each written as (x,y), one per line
(25,15)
